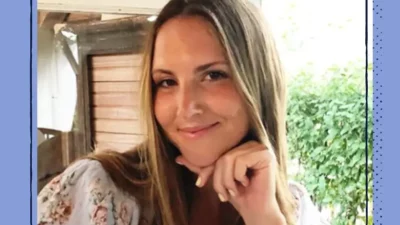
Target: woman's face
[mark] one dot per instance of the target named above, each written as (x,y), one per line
(196,102)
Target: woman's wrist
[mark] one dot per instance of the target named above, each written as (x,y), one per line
(276,219)
(274,216)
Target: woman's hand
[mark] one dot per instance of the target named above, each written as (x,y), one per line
(244,176)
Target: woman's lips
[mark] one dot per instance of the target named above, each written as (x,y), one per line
(197,131)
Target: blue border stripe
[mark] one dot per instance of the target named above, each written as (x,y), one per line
(34,111)
(15,118)
(386,112)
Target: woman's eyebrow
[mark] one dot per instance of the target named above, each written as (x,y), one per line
(208,65)
(198,69)
(162,71)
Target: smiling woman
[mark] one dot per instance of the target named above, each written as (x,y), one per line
(196,98)
(213,107)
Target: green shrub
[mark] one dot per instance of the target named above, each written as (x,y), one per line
(326,133)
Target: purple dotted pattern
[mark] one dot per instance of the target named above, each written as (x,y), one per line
(377,115)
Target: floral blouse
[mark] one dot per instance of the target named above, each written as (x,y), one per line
(84,194)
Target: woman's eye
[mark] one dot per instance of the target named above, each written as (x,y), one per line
(215,75)
(166,83)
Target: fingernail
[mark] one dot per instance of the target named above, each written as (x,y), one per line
(232,193)
(198,182)
(178,162)
(221,198)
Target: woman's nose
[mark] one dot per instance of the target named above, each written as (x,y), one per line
(189,102)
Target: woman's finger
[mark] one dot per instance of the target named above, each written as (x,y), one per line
(257,161)
(223,179)
(218,182)
(229,161)
(227,176)
(204,176)
(240,172)
(224,182)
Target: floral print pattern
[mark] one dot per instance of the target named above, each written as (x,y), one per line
(85,195)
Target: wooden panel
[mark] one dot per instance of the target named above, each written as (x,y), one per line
(117,126)
(113,61)
(49,19)
(83,17)
(119,147)
(152,7)
(116,99)
(118,138)
(122,113)
(116,74)
(106,87)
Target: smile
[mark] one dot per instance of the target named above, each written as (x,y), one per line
(197,131)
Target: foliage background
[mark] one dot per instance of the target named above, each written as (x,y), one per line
(322,45)
(326,132)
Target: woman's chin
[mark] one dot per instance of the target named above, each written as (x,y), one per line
(199,157)
(202,161)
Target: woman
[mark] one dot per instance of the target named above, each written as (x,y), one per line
(213,103)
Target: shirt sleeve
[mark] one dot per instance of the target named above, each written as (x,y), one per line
(84,194)
(307,212)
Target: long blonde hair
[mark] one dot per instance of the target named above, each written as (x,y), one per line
(149,172)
